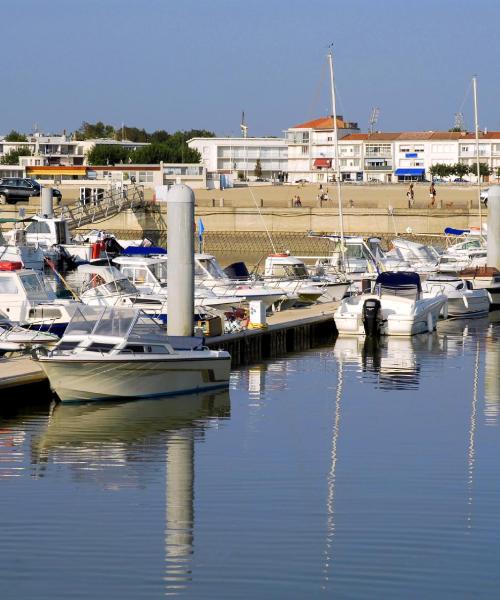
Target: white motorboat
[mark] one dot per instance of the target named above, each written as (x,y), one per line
(28,302)
(108,286)
(355,259)
(110,353)
(487,278)
(463,300)
(290,273)
(422,258)
(16,249)
(467,251)
(15,338)
(149,275)
(396,308)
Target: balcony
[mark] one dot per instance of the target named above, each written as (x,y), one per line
(370,167)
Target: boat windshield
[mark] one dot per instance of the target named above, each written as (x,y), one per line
(211,266)
(84,320)
(33,285)
(159,270)
(120,286)
(115,322)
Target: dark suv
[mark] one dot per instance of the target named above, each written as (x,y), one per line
(13,189)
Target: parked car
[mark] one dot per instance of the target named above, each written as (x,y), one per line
(484,196)
(460,180)
(301,181)
(13,189)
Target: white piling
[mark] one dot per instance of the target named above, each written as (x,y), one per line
(494,226)
(46,202)
(180,247)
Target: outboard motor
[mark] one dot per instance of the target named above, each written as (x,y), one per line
(371,317)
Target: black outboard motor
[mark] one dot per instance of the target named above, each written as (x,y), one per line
(372,317)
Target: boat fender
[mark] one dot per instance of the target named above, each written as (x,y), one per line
(430,323)
(371,317)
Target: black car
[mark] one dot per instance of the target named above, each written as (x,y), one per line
(13,189)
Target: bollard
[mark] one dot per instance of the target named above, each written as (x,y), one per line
(180,245)
(494,226)
(46,202)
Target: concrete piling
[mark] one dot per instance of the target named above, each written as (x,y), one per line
(47,202)
(494,226)
(180,245)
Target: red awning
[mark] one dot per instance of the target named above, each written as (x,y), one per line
(325,163)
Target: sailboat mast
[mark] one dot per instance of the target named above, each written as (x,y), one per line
(478,166)
(336,146)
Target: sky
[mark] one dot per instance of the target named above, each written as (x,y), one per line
(165,64)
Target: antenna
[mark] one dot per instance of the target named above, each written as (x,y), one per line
(373,119)
(459,121)
(243,126)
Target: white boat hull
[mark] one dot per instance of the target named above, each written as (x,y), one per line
(105,378)
(400,317)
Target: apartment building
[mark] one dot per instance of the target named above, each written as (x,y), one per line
(311,150)
(230,156)
(62,150)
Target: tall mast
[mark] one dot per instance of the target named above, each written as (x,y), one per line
(478,167)
(336,145)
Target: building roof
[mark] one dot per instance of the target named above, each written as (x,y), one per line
(410,136)
(326,123)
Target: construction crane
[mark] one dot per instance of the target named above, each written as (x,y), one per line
(459,122)
(243,126)
(373,119)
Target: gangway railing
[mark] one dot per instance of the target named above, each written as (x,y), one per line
(112,202)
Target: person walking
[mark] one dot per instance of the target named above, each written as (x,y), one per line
(432,194)
(410,194)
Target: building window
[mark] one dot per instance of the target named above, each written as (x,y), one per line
(145,176)
(305,150)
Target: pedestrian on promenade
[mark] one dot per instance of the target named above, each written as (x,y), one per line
(432,194)
(410,194)
(298,203)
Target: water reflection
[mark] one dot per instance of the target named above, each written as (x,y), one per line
(97,441)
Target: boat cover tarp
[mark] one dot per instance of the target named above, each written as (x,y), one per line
(237,270)
(399,280)
(143,250)
(453,231)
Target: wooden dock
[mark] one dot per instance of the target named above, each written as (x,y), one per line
(290,330)
(19,371)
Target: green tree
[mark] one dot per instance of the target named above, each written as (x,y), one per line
(12,157)
(15,136)
(484,170)
(170,151)
(258,169)
(92,131)
(460,169)
(107,154)
(441,170)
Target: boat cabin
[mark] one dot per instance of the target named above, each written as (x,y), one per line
(399,283)
(21,290)
(285,266)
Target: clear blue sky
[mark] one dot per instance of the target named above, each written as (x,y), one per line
(162,64)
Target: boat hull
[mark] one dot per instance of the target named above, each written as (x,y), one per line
(106,379)
(406,320)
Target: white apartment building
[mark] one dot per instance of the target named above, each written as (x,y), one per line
(311,150)
(63,150)
(230,156)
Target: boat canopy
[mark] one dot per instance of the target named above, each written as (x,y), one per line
(399,280)
(453,231)
(143,250)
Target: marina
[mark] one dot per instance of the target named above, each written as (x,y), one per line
(250,302)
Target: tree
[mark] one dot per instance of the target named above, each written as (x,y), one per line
(107,154)
(92,131)
(170,151)
(441,170)
(484,170)
(15,136)
(258,169)
(12,157)
(460,169)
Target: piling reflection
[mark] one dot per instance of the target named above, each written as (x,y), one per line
(492,373)
(95,440)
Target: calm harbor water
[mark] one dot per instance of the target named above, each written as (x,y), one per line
(352,471)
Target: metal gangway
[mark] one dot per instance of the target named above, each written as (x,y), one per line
(107,204)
